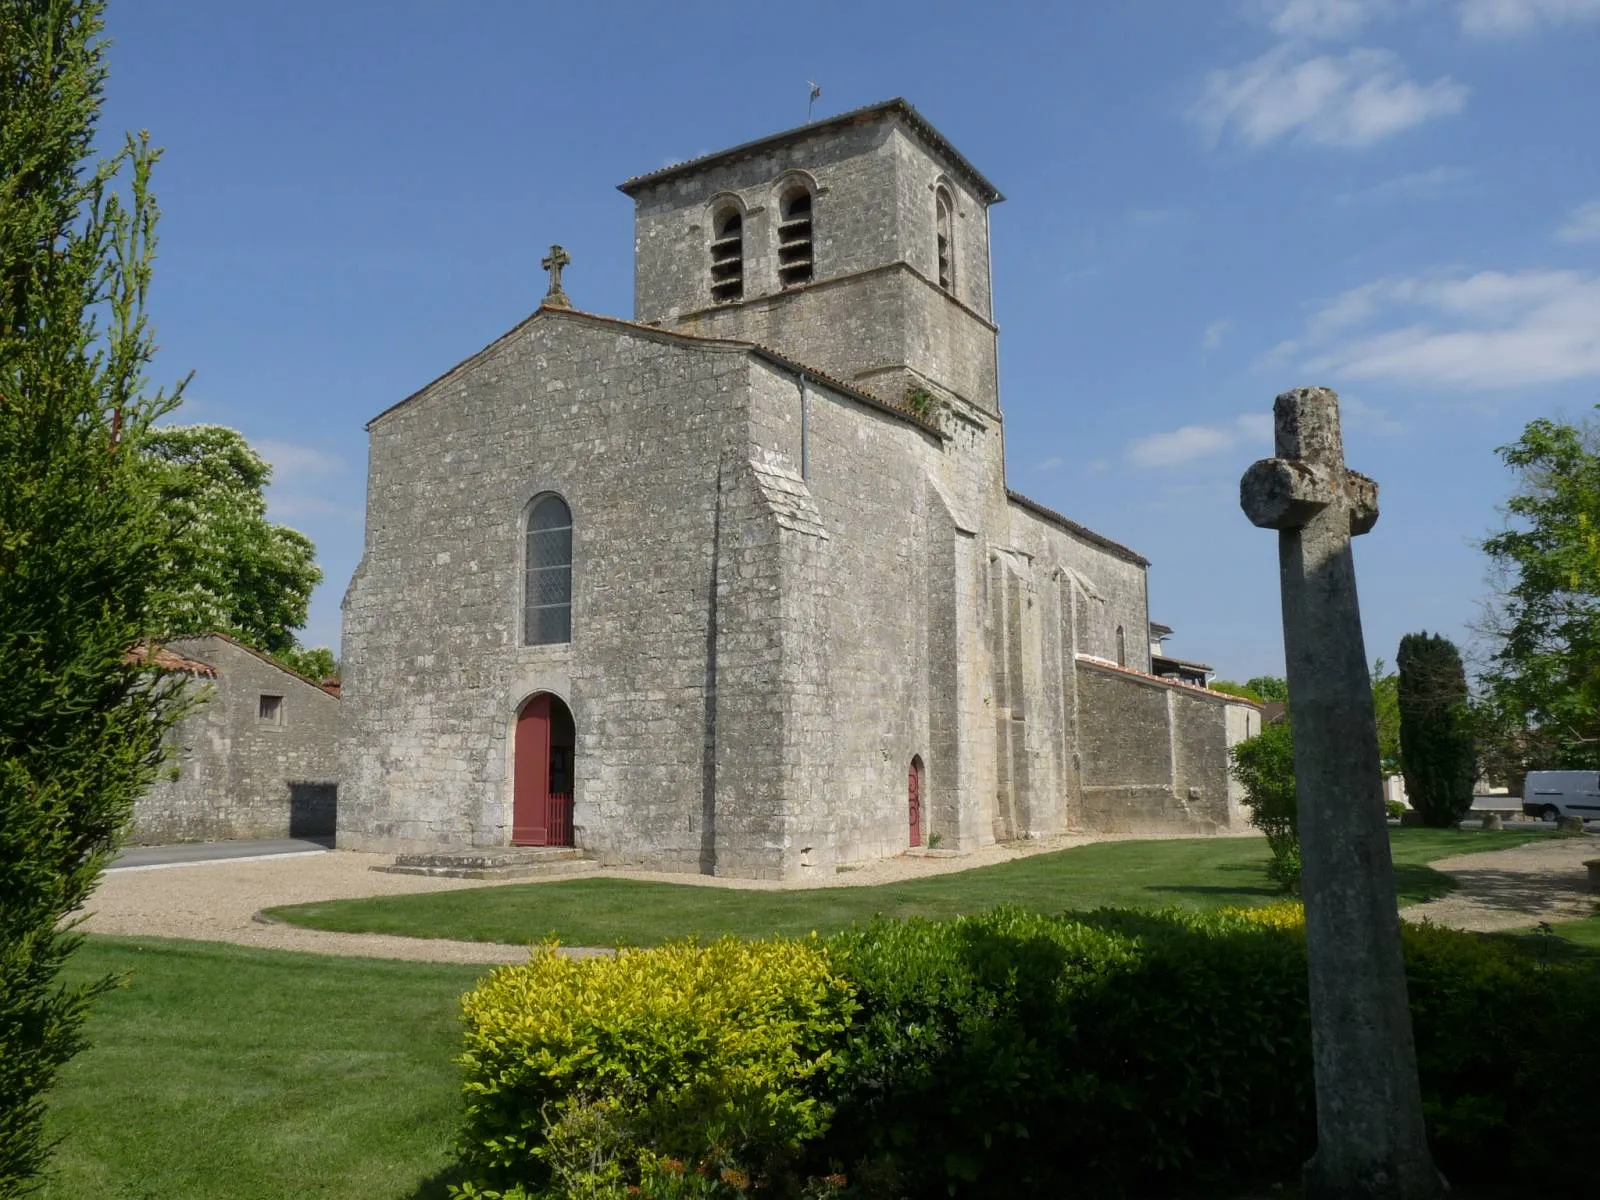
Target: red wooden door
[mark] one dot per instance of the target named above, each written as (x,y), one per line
(914,797)
(530,802)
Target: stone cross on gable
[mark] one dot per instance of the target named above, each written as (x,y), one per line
(1370,1136)
(556,297)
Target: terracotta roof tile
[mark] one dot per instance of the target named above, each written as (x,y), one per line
(1104,664)
(169,660)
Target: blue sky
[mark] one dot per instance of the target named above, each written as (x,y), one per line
(1207,203)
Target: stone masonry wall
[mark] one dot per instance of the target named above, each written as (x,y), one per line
(630,429)
(239,776)
(852,170)
(874,310)
(1154,754)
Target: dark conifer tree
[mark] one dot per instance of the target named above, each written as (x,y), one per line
(1436,744)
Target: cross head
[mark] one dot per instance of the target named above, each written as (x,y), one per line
(1308,474)
(556,297)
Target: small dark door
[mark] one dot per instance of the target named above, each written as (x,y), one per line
(914,799)
(530,803)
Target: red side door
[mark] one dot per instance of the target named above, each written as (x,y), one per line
(914,796)
(530,803)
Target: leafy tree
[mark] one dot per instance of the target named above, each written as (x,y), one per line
(1435,729)
(1269,687)
(1542,686)
(317,664)
(1386,705)
(1264,767)
(1228,688)
(227,567)
(81,719)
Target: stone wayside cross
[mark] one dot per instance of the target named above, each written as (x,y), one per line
(1370,1136)
(556,297)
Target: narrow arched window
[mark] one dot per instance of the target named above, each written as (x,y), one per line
(547,574)
(1122,647)
(727,257)
(794,237)
(944,233)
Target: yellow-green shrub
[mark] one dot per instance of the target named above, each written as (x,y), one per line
(714,1054)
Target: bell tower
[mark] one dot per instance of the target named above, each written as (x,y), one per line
(857,245)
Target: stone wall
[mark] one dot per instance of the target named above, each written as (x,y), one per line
(874,314)
(1154,753)
(238,775)
(635,431)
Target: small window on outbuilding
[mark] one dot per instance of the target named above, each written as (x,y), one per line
(727,257)
(547,575)
(269,709)
(795,237)
(945,235)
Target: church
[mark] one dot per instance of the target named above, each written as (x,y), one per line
(737,586)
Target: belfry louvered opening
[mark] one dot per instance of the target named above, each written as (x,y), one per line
(794,237)
(727,257)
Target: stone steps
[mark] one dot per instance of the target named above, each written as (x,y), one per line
(498,862)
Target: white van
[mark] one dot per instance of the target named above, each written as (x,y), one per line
(1552,794)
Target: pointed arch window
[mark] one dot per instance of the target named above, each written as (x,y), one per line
(795,236)
(945,240)
(547,574)
(727,256)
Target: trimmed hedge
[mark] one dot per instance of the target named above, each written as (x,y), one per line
(582,1074)
(1113,1053)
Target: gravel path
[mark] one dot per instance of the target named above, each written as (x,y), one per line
(217,901)
(1504,889)
(1511,889)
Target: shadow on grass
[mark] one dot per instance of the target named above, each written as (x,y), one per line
(437,1185)
(1414,883)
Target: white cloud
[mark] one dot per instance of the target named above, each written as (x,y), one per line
(1350,100)
(1491,18)
(1319,18)
(1356,413)
(1583,224)
(1432,184)
(1199,441)
(1489,330)
(1054,463)
(290,461)
(1214,334)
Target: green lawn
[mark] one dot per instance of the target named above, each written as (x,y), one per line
(221,1071)
(1198,872)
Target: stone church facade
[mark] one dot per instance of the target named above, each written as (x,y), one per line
(737,586)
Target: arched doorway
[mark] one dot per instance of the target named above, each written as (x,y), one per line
(541,803)
(914,799)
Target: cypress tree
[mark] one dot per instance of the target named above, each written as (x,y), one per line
(82,715)
(1436,743)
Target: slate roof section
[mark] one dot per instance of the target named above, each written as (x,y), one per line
(871,112)
(1082,531)
(789,498)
